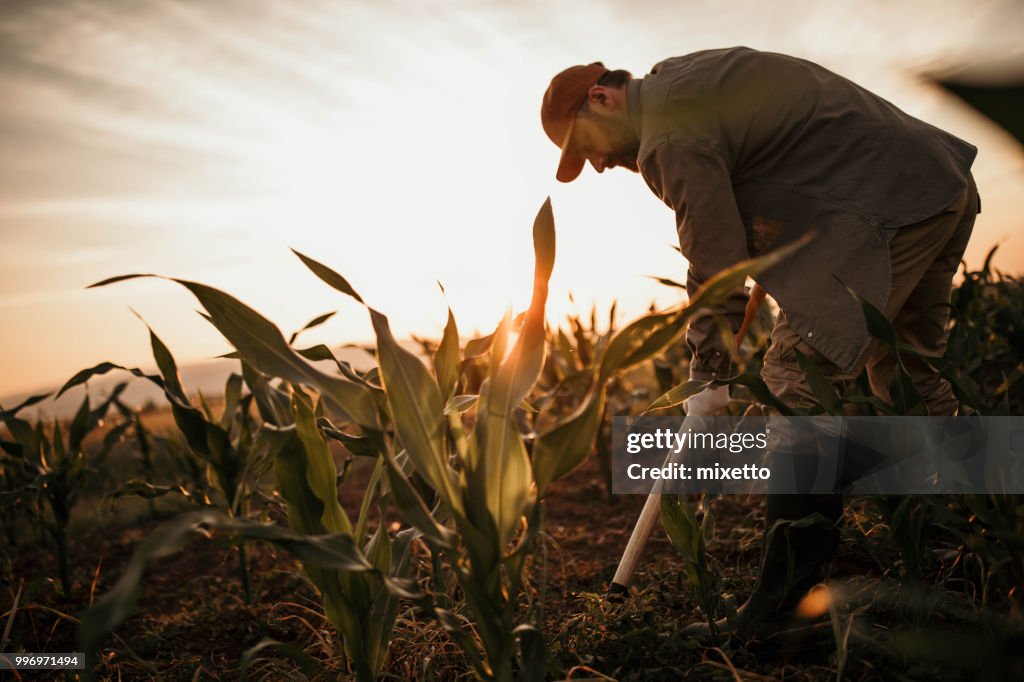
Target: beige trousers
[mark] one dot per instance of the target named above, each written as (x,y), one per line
(924,257)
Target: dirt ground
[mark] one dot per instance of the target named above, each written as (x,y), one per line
(194,624)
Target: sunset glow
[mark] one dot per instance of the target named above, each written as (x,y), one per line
(398,143)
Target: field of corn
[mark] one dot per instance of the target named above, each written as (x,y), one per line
(447,514)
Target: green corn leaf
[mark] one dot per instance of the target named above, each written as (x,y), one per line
(232,398)
(317,353)
(166,365)
(820,385)
(102,368)
(273,405)
(878,325)
(416,409)
(667,282)
(326,551)
(28,402)
(640,340)
(329,276)
(755,384)
(686,536)
(446,360)
(562,448)
(315,322)
(310,667)
(906,398)
(80,426)
(477,347)
(373,493)
(369,445)
(307,474)
(460,403)
(501,472)
(264,347)
(29,439)
(144,489)
(411,506)
(677,394)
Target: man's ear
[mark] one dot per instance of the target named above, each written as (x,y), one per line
(602,100)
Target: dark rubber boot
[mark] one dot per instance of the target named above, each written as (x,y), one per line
(800,538)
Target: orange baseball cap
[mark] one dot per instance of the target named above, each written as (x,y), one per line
(564,97)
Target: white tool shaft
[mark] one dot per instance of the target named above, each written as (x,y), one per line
(638,540)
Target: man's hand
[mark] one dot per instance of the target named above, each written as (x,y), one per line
(756,296)
(708,402)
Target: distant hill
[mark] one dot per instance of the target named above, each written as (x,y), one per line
(206,376)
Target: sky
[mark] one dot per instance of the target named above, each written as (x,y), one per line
(397,142)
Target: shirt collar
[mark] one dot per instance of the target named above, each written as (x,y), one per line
(633,107)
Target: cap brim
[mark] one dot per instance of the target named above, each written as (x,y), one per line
(571,164)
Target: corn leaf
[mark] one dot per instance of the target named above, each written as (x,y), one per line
(264,347)
(446,360)
(416,408)
(820,385)
(677,394)
(329,276)
(28,402)
(335,551)
(501,472)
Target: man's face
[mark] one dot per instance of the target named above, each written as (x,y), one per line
(605,140)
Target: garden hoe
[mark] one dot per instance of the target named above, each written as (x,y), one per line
(651,512)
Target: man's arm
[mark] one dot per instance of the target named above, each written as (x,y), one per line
(693,180)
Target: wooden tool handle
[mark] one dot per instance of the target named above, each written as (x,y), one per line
(637,541)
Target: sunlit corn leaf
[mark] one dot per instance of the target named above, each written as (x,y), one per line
(561,449)
(460,403)
(477,347)
(265,348)
(317,353)
(335,551)
(329,276)
(416,408)
(677,394)
(667,282)
(822,388)
(501,472)
(307,475)
(570,441)
(446,360)
(315,322)
(640,340)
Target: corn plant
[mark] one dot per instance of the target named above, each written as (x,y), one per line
(691,538)
(234,457)
(54,468)
(467,484)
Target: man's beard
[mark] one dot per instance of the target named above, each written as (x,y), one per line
(624,139)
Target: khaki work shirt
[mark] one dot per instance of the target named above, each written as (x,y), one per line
(753,149)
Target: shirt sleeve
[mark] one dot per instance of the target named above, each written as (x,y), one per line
(694,181)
